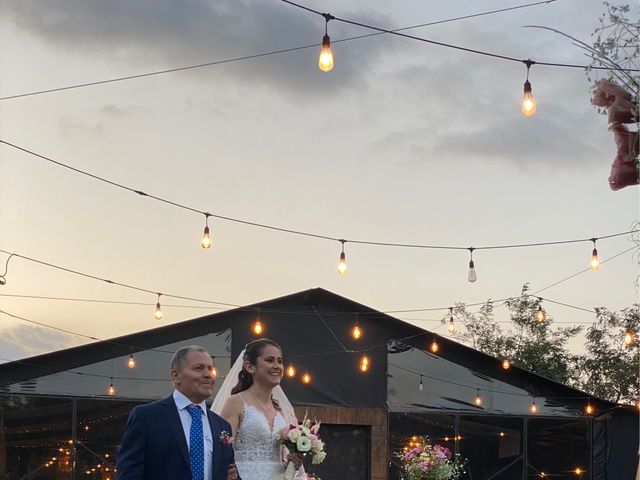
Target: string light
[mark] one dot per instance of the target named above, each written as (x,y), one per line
(478,400)
(214,371)
(420,385)
(258,327)
(158,314)
(540,315)
(629,338)
(589,409)
(506,364)
(325,61)
(364,363)
(306,378)
(528,103)
(342,264)
(578,471)
(206,238)
(451,327)
(534,407)
(291,371)
(356,332)
(132,362)
(111,390)
(434,345)
(595,260)
(472,277)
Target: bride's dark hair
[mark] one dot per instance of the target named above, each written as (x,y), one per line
(251,353)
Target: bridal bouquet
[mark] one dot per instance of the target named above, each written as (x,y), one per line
(303,439)
(428,461)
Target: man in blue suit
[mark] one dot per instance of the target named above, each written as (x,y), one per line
(178,437)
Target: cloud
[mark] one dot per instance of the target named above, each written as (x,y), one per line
(157,34)
(22,341)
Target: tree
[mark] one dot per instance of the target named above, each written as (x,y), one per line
(533,345)
(609,369)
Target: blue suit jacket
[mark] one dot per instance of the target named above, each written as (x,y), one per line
(154,447)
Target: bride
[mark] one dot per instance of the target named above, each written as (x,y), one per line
(257,409)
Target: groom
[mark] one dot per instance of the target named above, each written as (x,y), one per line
(179,438)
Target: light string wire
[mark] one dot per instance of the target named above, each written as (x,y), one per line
(264,54)
(449,45)
(300,232)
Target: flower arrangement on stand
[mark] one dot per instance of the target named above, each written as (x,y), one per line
(303,439)
(429,461)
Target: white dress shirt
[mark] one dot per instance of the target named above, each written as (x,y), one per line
(182,403)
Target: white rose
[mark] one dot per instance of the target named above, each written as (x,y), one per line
(293,435)
(303,444)
(318,458)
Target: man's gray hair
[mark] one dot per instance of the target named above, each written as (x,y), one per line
(180,357)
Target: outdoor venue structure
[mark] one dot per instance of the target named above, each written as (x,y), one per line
(62,414)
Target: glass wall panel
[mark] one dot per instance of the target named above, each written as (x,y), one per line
(558,447)
(148,380)
(447,385)
(406,427)
(34,437)
(492,445)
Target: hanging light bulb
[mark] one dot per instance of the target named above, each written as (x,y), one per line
(214,371)
(472,277)
(206,238)
(434,345)
(451,327)
(589,409)
(421,385)
(356,332)
(534,407)
(158,314)
(478,400)
(342,264)
(111,390)
(132,362)
(629,338)
(506,364)
(258,327)
(578,471)
(540,316)
(364,363)
(306,378)
(291,371)
(595,261)
(528,103)
(325,61)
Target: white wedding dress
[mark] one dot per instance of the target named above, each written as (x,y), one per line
(256,447)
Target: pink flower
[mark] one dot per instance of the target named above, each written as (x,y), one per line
(315,428)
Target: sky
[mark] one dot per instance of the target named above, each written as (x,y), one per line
(402,142)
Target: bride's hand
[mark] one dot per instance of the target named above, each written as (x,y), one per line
(296,459)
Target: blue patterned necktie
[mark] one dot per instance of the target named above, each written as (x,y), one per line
(196,443)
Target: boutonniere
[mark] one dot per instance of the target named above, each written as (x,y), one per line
(225,438)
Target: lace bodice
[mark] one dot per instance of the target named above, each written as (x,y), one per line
(257,449)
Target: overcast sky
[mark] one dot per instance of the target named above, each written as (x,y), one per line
(402,142)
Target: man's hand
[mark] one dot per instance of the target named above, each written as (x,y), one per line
(232,473)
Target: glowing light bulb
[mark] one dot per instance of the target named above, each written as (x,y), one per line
(540,317)
(434,346)
(158,314)
(342,264)
(257,327)
(595,261)
(214,371)
(502,434)
(421,385)
(206,238)
(111,390)
(506,364)
(291,371)
(364,363)
(132,362)
(534,407)
(356,333)
(451,326)
(478,400)
(589,409)
(306,378)
(628,338)
(528,102)
(325,61)
(578,471)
